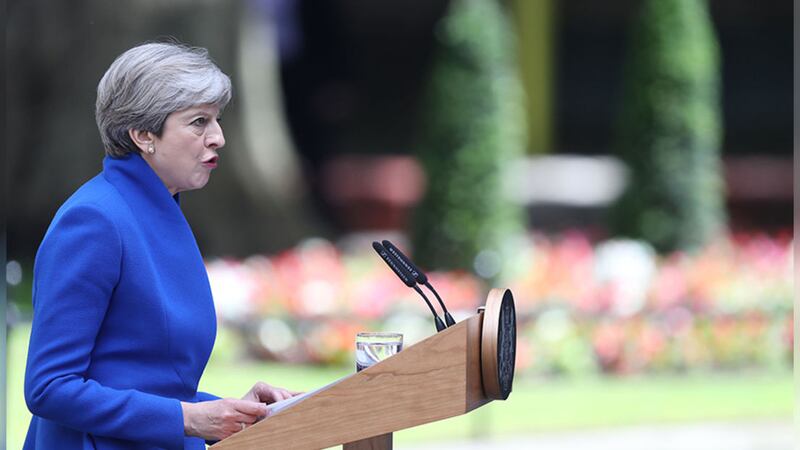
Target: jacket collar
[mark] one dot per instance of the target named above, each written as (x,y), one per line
(139,184)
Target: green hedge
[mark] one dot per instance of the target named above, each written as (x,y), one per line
(670,128)
(473,124)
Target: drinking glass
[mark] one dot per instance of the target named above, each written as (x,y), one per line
(375,347)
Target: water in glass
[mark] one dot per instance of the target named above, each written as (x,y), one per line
(376,347)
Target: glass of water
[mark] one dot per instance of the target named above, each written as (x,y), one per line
(375,347)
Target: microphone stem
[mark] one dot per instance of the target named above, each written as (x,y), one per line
(447,317)
(428,285)
(428,302)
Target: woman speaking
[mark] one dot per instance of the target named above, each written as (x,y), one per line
(124,321)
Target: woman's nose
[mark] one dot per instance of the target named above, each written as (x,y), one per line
(215,138)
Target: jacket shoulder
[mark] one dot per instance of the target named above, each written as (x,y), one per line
(96,194)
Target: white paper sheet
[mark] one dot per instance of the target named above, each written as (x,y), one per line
(275,408)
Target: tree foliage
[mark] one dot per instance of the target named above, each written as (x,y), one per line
(473,125)
(670,128)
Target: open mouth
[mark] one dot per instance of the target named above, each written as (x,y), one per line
(211,162)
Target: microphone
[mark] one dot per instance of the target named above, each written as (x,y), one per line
(409,281)
(418,275)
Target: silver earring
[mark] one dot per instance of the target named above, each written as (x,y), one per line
(151,149)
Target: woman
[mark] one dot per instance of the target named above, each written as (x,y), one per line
(124,321)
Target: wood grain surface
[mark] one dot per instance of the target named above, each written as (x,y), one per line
(491,322)
(437,378)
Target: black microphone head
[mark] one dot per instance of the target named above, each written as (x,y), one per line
(400,271)
(396,264)
(406,262)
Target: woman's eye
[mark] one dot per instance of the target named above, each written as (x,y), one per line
(200,121)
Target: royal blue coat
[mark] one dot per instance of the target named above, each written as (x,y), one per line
(123,320)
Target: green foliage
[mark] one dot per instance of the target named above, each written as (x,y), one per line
(670,128)
(473,125)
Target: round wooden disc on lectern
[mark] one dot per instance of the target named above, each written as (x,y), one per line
(498,344)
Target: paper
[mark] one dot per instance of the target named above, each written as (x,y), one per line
(275,408)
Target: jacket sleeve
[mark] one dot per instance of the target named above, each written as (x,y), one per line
(205,397)
(76,270)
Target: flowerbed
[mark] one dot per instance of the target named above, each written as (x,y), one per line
(612,307)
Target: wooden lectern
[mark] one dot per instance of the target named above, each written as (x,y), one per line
(448,374)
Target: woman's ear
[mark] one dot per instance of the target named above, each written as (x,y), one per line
(142,139)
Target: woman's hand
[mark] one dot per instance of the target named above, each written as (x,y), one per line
(264,393)
(215,420)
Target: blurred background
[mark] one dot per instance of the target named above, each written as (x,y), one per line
(624,167)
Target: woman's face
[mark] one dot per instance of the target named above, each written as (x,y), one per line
(186,152)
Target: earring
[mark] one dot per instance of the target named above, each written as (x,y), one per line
(151,149)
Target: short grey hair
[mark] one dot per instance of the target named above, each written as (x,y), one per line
(149,82)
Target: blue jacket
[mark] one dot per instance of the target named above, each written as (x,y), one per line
(123,320)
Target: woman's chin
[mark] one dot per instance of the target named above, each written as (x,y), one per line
(199,183)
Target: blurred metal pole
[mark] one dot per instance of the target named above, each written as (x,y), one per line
(535,22)
(4,209)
